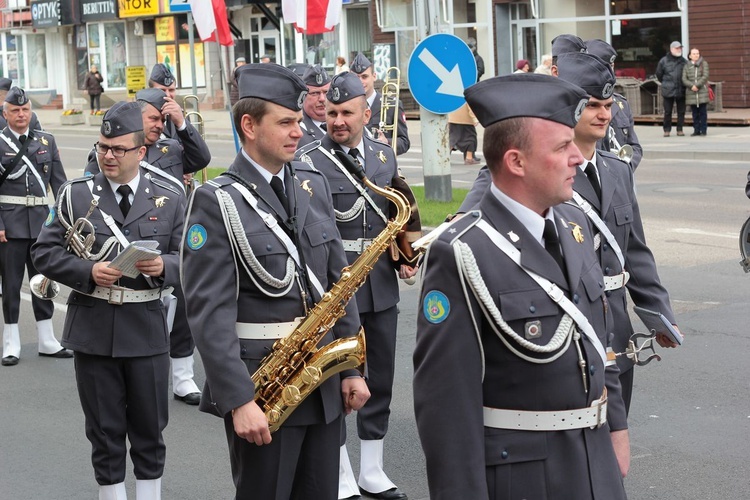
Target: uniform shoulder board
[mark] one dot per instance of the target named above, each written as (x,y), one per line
(307,148)
(221,181)
(83,178)
(165,185)
(619,97)
(449,231)
(304,165)
(572,204)
(382,151)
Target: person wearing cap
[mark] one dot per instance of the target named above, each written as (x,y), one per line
(242,298)
(605,189)
(265,59)
(562,44)
(234,92)
(522,66)
(29,165)
(669,74)
(622,124)
(175,125)
(117,324)
(314,108)
(511,349)
(168,160)
(5,85)
(360,217)
(362,66)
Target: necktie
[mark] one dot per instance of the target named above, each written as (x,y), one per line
(324,127)
(590,172)
(354,153)
(278,188)
(22,139)
(552,243)
(125,191)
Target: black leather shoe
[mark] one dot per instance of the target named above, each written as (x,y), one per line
(62,353)
(10,361)
(392,494)
(192,399)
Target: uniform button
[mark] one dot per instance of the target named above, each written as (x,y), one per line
(607,293)
(126,232)
(154,230)
(601,285)
(607,270)
(504,454)
(532,309)
(368,208)
(325,236)
(576,298)
(243,351)
(96,227)
(78,283)
(341,188)
(605,246)
(31,183)
(592,369)
(269,247)
(475,214)
(627,217)
(369,227)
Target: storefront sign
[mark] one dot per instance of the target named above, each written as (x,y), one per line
(45,13)
(134,8)
(136,79)
(98,10)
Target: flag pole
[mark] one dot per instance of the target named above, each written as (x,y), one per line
(191,41)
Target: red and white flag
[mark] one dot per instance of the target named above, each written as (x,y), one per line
(210,18)
(312,17)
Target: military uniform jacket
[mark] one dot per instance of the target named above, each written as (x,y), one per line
(310,131)
(220,292)
(197,154)
(461,366)
(402,131)
(92,325)
(619,210)
(380,291)
(624,126)
(20,221)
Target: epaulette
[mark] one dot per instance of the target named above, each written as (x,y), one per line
(37,132)
(620,96)
(573,204)
(165,185)
(304,163)
(449,231)
(307,148)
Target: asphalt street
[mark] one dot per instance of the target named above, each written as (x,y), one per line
(690,418)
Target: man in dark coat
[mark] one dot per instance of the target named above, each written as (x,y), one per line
(669,73)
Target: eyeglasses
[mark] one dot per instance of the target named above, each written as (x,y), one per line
(117,151)
(315,94)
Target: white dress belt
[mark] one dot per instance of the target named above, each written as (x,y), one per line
(359,245)
(266,331)
(593,416)
(28,201)
(617,281)
(117,295)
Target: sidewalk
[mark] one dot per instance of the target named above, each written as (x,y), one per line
(727,143)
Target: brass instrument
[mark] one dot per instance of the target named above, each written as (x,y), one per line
(43,287)
(745,246)
(295,368)
(389,101)
(195,118)
(625,153)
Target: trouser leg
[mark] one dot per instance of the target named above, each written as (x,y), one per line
(668,104)
(680,103)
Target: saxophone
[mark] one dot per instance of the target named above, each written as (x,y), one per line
(295,367)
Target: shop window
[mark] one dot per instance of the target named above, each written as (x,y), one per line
(106,50)
(173,50)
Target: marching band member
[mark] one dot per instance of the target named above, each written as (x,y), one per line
(314,108)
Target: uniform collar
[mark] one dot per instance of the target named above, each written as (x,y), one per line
(532,221)
(262,171)
(133,184)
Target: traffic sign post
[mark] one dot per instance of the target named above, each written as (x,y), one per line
(440,68)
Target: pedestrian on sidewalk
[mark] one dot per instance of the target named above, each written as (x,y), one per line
(462,126)
(695,79)
(92,86)
(669,73)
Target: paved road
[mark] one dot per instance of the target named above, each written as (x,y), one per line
(691,412)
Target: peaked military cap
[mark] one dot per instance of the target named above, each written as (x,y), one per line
(122,118)
(162,75)
(345,86)
(16,96)
(5,83)
(602,50)
(588,72)
(272,82)
(562,44)
(360,63)
(526,95)
(154,97)
(316,76)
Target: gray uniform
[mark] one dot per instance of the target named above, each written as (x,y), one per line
(624,126)
(402,131)
(461,366)
(22,223)
(311,132)
(377,298)
(197,154)
(122,364)
(220,293)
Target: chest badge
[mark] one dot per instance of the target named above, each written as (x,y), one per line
(577,232)
(44,141)
(381,157)
(160,201)
(306,186)
(46,168)
(165,149)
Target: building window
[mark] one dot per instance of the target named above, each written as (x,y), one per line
(8,57)
(107,50)
(173,50)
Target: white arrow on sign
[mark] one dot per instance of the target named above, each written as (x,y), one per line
(451,80)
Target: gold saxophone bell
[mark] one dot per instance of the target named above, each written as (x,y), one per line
(43,287)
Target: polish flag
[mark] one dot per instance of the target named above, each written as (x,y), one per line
(312,17)
(210,18)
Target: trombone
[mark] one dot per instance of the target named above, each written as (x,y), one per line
(389,102)
(195,118)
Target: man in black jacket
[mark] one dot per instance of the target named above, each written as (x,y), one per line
(669,73)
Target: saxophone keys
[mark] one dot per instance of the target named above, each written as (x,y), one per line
(311,375)
(291,395)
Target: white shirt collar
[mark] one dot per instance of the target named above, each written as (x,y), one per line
(16,135)
(371,99)
(360,147)
(532,221)
(582,166)
(265,173)
(133,186)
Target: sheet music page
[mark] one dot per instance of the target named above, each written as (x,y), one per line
(137,250)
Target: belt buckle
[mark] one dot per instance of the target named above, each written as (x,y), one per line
(555,292)
(116,295)
(601,417)
(270,221)
(30,200)
(363,244)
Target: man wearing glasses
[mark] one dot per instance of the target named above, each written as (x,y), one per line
(314,106)
(117,324)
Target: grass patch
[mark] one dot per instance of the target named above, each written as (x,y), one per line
(214,172)
(433,212)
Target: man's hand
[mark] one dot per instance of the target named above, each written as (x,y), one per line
(406,272)
(103,275)
(379,136)
(664,341)
(152,268)
(621,444)
(250,423)
(174,111)
(3,239)
(355,393)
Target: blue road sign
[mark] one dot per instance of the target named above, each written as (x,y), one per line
(179,6)
(440,68)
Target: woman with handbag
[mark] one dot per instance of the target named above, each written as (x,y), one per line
(695,79)
(92,86)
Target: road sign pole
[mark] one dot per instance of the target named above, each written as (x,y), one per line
(435,142)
